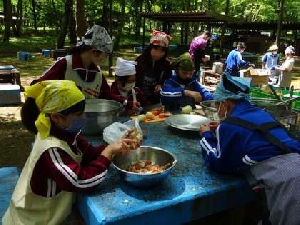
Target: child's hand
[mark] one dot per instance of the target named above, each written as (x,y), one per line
(121,146)
(193,94)
(203,128)
(157,88)
(136,106)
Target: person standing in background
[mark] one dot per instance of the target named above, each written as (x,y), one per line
(235,60)
(269,61)
(153,67)
(285,77)
(197,49)
(82,64)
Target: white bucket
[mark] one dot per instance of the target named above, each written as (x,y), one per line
(217,67)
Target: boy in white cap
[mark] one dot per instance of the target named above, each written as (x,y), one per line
(153,68)
(123,88)
(82,65)
(270,60)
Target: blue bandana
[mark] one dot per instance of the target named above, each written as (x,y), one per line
(242,82)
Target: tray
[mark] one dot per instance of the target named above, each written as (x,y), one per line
(187,122)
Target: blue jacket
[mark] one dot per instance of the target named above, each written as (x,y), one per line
(234,61)
(234,148)
(270,60)
(173,92)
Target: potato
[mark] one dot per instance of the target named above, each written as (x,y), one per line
(149,115)
(187,109)
(141,117)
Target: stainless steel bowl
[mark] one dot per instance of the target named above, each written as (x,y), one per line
(100,113)
(156,155)
(187,121)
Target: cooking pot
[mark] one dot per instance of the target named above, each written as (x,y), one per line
(100,113)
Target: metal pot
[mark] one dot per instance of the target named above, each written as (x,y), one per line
(100,113)
(156,155)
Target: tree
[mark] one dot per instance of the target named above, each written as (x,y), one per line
(7,20)
(279,23)
(80,18)
(64,24)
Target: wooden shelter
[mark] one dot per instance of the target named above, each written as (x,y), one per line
(190,16)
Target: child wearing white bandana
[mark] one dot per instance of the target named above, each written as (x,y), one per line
(123,88)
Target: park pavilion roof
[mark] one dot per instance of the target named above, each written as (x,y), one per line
(190,16)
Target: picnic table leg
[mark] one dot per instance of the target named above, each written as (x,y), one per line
(16,78)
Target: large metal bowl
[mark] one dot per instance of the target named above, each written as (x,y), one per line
(187,121)
(156,155)
(100,113)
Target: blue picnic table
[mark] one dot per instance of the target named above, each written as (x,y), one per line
(190,192)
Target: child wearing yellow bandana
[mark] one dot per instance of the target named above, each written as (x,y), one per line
(61,162)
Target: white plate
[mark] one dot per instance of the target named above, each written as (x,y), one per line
(187,122)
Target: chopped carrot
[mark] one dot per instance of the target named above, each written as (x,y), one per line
(155,112)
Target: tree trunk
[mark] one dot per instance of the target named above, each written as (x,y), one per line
(80,18)
(279,22)
(223,28)
(34,13)
(19,18)
(64,25)
(55,15)
(105,16)
(72,26)
(120,26)
(138,9)
(7,20)
(110,58)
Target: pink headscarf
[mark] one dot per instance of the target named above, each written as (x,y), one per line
(160,38)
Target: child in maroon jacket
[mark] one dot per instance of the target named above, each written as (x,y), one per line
(123,88)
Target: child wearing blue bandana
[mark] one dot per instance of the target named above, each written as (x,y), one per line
(251,142)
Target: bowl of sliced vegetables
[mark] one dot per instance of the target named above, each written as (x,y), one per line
(145,166)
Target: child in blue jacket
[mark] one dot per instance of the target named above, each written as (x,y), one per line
(183,88)
(250,141)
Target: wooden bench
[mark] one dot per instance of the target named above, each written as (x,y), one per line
(8,74)
(8,179)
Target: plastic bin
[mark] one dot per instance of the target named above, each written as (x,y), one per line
(295,104)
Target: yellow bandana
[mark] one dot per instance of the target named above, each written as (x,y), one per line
(52,96)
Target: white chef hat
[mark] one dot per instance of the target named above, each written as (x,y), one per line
(289,50)
(124,67)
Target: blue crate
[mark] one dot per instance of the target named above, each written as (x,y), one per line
(24,56)
(10,94)
(46,52)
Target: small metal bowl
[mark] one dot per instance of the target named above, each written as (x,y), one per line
(156,155)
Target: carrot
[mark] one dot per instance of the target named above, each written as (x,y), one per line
(155,112)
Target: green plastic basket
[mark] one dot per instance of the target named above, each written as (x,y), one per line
(295,104)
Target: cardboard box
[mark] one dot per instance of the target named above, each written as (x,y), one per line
(259,76)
